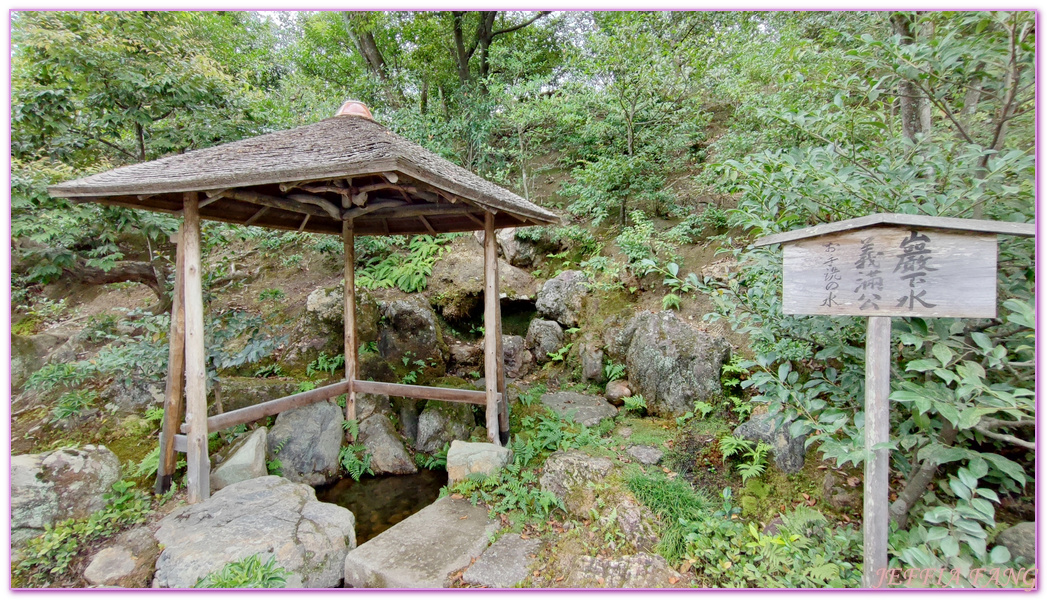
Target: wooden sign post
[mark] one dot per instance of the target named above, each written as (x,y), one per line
(883,266)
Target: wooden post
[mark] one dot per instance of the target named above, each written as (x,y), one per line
(348,241)
(492,326)
(877,461)
(175,373)
(198,472)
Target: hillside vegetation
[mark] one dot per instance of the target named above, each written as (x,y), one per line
(667,142)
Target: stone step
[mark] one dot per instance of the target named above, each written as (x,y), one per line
(423,549)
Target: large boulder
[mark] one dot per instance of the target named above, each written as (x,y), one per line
(543,338)
(133,395)
(456,285)
(518,359)
(307,441)
(409,329)
(241,392)
(465,459)
(68,483)
(28,354)
(328,307)
(268,516)
(387,451)
(571,475)
(580,408)
(672,364)
(519,253)
(128,561)
(443,422)
(634,571)
(506,564)
(244,459)
(788,451)
(561,298)
(1020,541)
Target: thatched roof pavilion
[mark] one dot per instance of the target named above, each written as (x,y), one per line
(345,175)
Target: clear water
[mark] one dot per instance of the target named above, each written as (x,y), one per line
(381,502)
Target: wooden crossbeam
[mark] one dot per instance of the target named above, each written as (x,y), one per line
(273,407)
(420,392)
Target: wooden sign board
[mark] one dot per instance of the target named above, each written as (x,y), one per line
(895,271)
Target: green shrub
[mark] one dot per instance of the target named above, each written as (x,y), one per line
(249,572)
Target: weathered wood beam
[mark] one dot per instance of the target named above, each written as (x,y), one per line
(198,473)
(475,219)
(416,210)
(391,177)
(179,443)
(252,413)
(491,362)
(274,202)
(420,392)
(257,215)
(173,406)
(210,200)
(427,224)
(305,221)
(377,205)
(348,243)
(323,203)
(877,461)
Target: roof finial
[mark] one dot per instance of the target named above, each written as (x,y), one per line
(354,107)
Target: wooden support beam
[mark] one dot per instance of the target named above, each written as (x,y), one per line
(274,202)
(180,443)
(877,462)
(421,392)
(198,474)
(427,224)
(348,243)
(475,219)
(273,407)
(258,214)
(323,203)
(417,210)
(392,177)
(173,406)
(211,199)
(491,358)
(304,222)
(353,213)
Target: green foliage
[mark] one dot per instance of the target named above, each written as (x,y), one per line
(532,394)
(248,572)
(560,354)
(436,460)
(72,404)
(356,461)
(752,456)
(325,364)
(50,555)
(273,370)
(635,404)
(275,294)
(671,501)
(613,371)
(408,268)
(641,241)
(352,427)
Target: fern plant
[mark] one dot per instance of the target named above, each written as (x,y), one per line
(356,461)
(753,456)
(613,371)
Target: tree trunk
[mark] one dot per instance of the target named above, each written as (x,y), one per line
(423,102)
(918,481)
(910,100)
(138,272)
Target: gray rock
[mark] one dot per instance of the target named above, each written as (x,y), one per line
(517,358)
(388,454)
(592,362)
(561,298)
(571,475)
(635,522)
(128,562)
(672,364)
(465,355)
(371,404)
(617,391)
(68,483)
(241,392)
(441,423)
(307,441)
(457,282)
(636,571)
(788,451)
(408,410)
(244,459)
(648,455)
(409,329)
(518,253)
(467,458)
(269,516)
(422,550)
(28,353)
(580,408)
(135,395)
(1020,540)
(505,564)
(544,338)
(328,307)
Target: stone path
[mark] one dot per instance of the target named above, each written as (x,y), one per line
(423,549)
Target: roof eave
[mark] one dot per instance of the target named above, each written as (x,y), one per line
(924,221)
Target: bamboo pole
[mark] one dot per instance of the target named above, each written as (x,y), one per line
(348,241)
(175,373)
(199,465)
(492,338)
(877,461)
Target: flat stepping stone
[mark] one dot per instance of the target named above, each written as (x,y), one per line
(505,564)
(580,408)
(648,455)
(424,549)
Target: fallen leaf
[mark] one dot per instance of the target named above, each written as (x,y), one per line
(536,573)
(853,481)
(523,536)
(463,518)
(560,578)
(457,496)
(599,580)
(666,469)
(674,579)
(811,503)
(806,496)
(822,467)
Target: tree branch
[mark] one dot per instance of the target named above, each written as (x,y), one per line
(1003,437)
(541,13)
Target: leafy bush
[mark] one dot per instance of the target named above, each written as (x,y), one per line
(325,364)
(356,460)
(248,572)
(72,404)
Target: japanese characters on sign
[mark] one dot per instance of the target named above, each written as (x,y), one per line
(892,271)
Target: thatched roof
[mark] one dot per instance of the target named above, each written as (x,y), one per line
(343,167)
